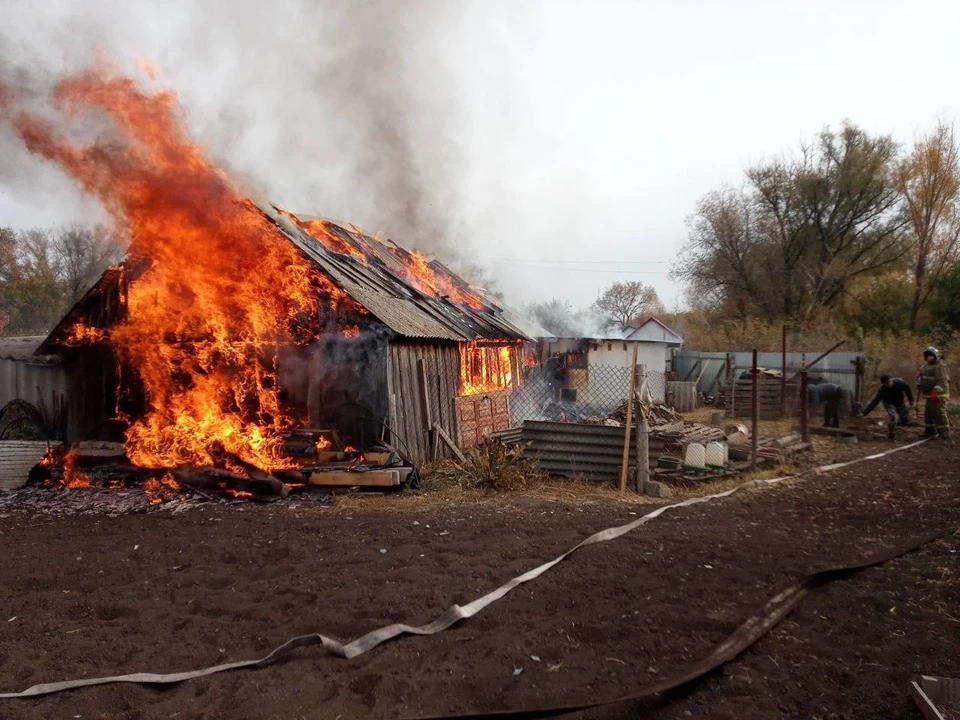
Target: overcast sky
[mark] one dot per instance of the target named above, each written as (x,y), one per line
(561,143)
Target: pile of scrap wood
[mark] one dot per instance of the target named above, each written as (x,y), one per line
(769,450)
(668,425)
(316,458)
(656,414)
(861,428)
(680,434)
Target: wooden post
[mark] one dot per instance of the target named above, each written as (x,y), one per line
(626,429)
(696,383)
(857,370)
(425,405)
(804,407)
(643,438)
(732,385)
(783,379)
(755,411)
(448,441)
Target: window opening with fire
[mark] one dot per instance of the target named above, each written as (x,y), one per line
(486,368)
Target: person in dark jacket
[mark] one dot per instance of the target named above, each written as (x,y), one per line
(830,397)
(897,397)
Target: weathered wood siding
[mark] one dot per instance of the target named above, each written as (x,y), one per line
(92,394)
(422,380)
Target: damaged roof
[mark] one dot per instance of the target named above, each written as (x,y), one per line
(380,287)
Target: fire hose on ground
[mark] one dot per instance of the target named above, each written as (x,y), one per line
(748,633)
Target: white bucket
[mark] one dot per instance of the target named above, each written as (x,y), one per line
(696,456)
(714,454)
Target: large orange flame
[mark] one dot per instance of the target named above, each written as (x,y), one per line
(73,475)
(486,369)
(220,287)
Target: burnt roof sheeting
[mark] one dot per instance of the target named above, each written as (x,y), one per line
(24,349)
(380,287)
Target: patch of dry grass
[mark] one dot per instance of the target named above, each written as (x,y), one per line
(448,484)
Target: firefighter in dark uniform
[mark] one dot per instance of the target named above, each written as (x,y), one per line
(830,398)
(897,397)
(933,385)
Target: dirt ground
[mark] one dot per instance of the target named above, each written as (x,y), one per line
(85,596)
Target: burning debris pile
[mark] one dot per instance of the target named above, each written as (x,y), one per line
(214,294)
(111,484)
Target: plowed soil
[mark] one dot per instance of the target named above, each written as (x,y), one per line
(87,596)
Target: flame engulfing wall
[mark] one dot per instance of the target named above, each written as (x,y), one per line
(487,368)
(218,290)
(224,318)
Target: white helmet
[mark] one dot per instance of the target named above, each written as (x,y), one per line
(932,351)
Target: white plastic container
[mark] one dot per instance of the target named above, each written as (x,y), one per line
(714,454)
(696,456)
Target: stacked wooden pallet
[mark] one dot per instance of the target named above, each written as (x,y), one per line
(738,400)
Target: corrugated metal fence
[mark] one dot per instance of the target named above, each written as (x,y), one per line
(838,367)
(31,381)
(594,452)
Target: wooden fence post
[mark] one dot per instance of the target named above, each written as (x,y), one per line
(731,385)
(783,380)
(629,423)
(804,407)
(755,412)
(643,437)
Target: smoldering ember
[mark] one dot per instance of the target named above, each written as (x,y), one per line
(254,443)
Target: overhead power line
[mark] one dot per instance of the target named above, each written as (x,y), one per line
(577,262)
(556,268)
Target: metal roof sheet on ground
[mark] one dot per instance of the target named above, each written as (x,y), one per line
(381,289)
(18,458)
(594,452)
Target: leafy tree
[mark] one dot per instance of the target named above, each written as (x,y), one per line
(628,302)
(790,243)
(929,180)
(945,299)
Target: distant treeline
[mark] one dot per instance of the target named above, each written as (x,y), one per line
(43,272)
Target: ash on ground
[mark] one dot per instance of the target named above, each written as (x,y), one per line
(59,501)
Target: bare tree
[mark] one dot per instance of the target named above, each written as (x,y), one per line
(720,263)
(84,253)
(556,316)
(628,302)
(929,179)
(44,272)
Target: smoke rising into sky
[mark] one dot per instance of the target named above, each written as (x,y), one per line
(562,144)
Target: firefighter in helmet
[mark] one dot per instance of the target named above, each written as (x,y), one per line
(933,384)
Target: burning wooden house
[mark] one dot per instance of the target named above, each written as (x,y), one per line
(403,350)
(234,335)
